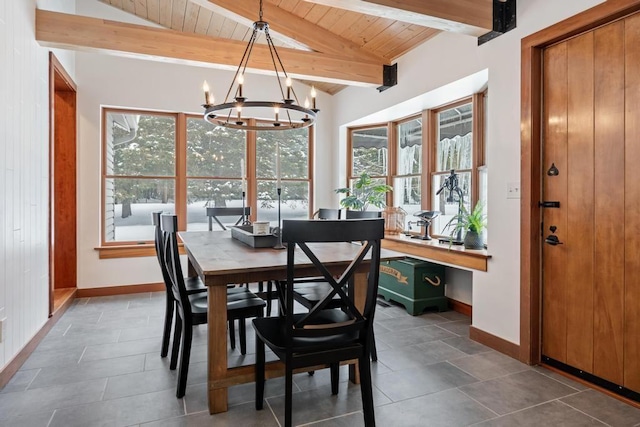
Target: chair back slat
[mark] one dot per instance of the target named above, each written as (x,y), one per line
(297,234)
(363,214)
(159,250)
(171,252)
(324,213)
(214,213)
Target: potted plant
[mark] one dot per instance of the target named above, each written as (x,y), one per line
(472,223)
(365,192)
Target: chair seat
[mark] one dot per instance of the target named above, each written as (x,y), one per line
(239,301)
(194,285)
(309,293)
(271,330)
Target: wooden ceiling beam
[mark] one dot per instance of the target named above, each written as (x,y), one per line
(82,33)
(472,17)
(292,27)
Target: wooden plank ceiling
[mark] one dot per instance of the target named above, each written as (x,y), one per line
(380,37)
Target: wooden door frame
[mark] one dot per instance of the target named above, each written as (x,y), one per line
(59,81)
(530,166)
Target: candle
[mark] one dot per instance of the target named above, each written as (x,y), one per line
(239,109)
(240,82)
(278,164)
(207,95)
(288,81)
(242,174)
(313,96)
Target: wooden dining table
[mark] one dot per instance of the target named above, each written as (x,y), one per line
(218,260)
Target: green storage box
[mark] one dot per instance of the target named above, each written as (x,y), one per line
(414,283)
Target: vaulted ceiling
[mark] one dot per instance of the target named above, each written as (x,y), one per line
(329,43)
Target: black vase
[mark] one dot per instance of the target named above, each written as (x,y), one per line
(473,240)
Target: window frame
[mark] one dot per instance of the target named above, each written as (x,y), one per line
(120,249)
(429,148)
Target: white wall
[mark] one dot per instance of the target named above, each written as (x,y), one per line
(24,173)
(446,59)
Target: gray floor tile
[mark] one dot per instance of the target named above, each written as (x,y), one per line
(50,398)
(548,414)
(320,378)
(605,408)
(354,419)
(140,383)
(410,383)
(407,337)
(37,419)
(151,331)
(417,356)
(406,322)
(53,358)
(237,416)
(19,381)
(564,380)
(121,412)
(460,328)
(485,366)
(87,371)
(516,391)
(448,408)
(120,349)
(78,337)
(466,345)
(319,404)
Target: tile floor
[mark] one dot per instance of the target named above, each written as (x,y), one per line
(100,366)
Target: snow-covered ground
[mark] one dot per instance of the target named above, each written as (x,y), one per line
(138,226)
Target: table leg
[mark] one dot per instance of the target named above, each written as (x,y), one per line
(359,297)
(217,345)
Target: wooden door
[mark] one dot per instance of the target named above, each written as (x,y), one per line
(591,242)
(62,207)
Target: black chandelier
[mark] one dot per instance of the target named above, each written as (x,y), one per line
(239,112)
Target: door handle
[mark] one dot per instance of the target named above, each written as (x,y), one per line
(553,240)
(549,204)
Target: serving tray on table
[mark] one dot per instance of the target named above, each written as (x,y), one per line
(244,233)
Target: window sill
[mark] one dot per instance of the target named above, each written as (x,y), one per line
(456,256)
(129,251)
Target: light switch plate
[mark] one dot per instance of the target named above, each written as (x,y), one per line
(513,190)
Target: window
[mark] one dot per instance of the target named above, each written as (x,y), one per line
(182,164)
(369,153)
(139,173)
(407,183)
(290,150)
(453,152)
(416,159)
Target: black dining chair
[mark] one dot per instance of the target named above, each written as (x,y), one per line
(193,285)
(191,309)
(323,336)
(311,290)
(214,213)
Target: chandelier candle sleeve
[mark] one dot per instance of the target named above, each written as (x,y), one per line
(207,96)
(244,177)
(240,83)
(313,96)
(278,165)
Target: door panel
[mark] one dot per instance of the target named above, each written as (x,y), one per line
(632,206)
(609,201)
(580,239)
(554,323)
(591,282)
